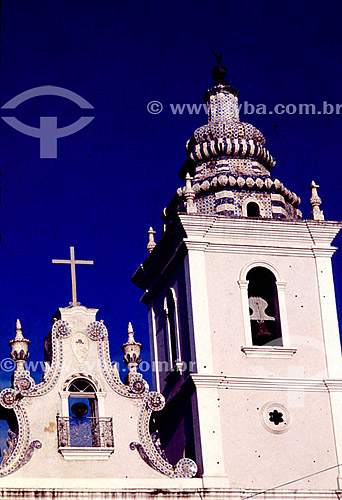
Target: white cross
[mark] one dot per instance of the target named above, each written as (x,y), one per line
(73,263)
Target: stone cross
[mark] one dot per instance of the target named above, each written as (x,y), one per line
(73,263)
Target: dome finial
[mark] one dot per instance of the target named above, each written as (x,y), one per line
(219,72)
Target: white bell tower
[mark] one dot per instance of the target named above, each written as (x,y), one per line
(243,323)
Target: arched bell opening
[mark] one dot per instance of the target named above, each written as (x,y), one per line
(264,307)
(83,414)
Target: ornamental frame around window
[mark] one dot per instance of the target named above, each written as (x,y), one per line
(84,453)
(98,394)
(249,348)
(175,364)
(250,199)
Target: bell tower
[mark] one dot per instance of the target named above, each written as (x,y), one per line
(242,317)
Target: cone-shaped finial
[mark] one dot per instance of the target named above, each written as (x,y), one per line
(151,243)
(131,350)
(315,202)
(18,330)
(19,347)
(130,333)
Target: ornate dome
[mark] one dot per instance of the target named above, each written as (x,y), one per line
(227,170)
(225,135)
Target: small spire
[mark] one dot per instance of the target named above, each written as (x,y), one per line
(19,347)
(131,350)
(151,243)
(315,202)
(189,195)
(18,331)
(130,333)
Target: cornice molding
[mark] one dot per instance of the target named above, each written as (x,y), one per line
(267,384)
(262,232)
(236,235)
(145,489)
(228,247)
(333,385)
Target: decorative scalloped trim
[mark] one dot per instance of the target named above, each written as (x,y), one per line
(23,449)
(233,147)
(25,386)
(221,129)
(245,182)
(185,467)
(153,401)
(60,330)
(137,385)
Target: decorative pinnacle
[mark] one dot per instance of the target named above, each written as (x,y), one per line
(189,194)
(19,347)
(131,350)
(18,331)
(130,333)
(151,243)
(315,202)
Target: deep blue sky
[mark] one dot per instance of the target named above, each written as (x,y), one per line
(111,181)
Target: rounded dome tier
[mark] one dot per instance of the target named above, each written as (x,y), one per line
(225,135)
(228,129)
(228,167)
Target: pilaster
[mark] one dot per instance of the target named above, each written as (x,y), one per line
(330,329)
(198,307)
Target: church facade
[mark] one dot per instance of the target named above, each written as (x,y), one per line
(246,355)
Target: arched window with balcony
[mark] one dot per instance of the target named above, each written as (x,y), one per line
(82,427)
(83,414)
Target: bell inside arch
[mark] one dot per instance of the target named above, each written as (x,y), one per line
(258,306)
(263,307)
(79,410)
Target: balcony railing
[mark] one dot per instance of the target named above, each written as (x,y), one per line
(85,432)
